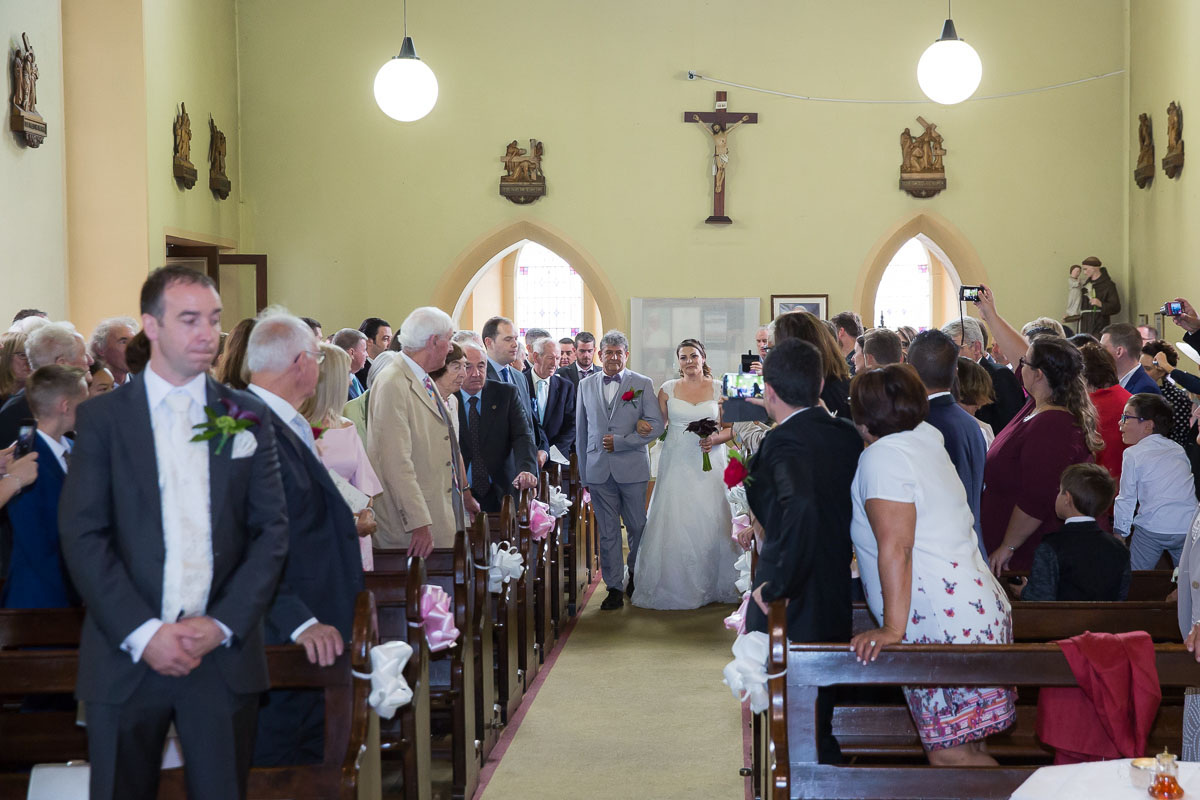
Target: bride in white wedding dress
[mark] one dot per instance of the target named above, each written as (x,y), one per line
(686,556)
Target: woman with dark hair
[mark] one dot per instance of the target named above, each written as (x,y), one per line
(137,353)
(231,370)
(1159,359)
(805,326)
(1109,397)
(686,556)
(1053,430)
(924,576)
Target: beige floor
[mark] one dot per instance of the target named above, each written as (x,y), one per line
(633,709)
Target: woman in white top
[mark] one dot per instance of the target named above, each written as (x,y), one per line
(686,556)
(924,577)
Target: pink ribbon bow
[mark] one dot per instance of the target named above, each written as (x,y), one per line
(737,620)
(741,523)
(540,521)
(587,497)
(437,618)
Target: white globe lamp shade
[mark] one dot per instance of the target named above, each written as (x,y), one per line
(405,87)
(949,70)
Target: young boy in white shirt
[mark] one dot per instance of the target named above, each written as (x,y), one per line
(1157,499)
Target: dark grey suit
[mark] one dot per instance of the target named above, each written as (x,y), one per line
(110,521)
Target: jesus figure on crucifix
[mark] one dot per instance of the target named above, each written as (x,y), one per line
(720,146)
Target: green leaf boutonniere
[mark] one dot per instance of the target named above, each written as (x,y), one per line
(226,425)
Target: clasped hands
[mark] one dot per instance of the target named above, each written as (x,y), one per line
(178,647)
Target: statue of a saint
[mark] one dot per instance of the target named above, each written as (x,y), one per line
(1145,142)
(18,69)
(720,137)
(216,148)
(183,135)
(1173,126)
(31,76)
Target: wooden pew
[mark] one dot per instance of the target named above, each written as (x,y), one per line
(406,737)
(488,720)
(1045,622)
(452,684)
(1144,584)
(541,560)
(574,550)
(529,654)
(555,552)
(506,621)
(50,737)
(791,769)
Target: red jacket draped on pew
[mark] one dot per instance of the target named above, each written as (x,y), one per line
(1111,713)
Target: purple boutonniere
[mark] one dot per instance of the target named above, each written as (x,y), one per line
(226,425)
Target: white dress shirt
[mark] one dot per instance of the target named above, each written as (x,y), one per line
(59,448)
(1156,480)
(612,387)
(289,416)
(187,537)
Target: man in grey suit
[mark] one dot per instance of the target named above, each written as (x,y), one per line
(616,418)
(175,547)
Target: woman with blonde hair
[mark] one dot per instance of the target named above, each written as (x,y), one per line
(14,365)
(338,444)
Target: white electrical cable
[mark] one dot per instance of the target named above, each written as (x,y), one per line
(693,76)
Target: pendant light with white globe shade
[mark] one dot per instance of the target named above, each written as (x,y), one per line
(949,70)
(405,87)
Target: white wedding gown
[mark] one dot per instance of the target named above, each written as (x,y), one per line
(686,556)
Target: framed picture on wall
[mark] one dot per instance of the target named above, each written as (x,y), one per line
(817,304)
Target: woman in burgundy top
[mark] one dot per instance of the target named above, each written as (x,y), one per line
(1055,428)
(1109,398)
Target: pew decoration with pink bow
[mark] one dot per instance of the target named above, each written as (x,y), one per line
(437,618)
(737,620)
(559,503)
(389,690)
(587,497)
(507,565)
(541,521)
(747,675)
(741,524)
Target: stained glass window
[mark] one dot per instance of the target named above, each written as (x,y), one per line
(549,294)
(905,291)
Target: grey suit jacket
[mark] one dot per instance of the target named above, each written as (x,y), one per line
(594,419)
(1188,606)
(110,523)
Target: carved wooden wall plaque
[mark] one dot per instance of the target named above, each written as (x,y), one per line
(523,181)
(25,120)
(1173,161)
(185,173)
(218,181)
(1144,172)
(922,173)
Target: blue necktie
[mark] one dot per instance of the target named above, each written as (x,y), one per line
(506,375)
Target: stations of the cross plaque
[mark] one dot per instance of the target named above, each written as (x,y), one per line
(718,124)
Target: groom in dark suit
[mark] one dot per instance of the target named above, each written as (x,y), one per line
(175,549)
(799,493)
(314,604)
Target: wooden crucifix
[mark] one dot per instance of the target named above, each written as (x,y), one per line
(717,125)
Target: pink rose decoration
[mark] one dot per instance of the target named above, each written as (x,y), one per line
(540,521)
(437,618)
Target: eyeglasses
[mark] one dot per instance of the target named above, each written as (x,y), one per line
(317,355)
(1127,417)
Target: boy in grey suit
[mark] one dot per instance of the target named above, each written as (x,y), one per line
(617,417)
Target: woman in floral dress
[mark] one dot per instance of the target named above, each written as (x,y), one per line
(925,579)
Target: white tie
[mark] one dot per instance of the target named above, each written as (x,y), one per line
(183,482)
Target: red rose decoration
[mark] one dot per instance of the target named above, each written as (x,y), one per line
(628,396)
(735,473)
(316,432)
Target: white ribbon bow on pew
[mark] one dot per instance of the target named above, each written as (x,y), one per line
(559,503)
(747,675)
(506,565)
(389,690)
(738,504)
(742,565)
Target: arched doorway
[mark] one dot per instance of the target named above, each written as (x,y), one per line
(940,238)
(474,262)
(917,289)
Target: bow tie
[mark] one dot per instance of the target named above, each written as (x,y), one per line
(611,378)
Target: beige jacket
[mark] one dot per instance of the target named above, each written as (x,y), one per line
(408,442)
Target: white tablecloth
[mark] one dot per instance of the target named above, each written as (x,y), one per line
(1098,780)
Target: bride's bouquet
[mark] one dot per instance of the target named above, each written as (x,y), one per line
(704,428)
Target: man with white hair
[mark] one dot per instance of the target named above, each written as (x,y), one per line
(108,345)
(51,343)
(968,335)
(322,576)
(411,443)
(553,396)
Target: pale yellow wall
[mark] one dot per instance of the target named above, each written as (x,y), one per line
(191,56)
(33,231)
(105,83)
(1035,181)
(1164,236)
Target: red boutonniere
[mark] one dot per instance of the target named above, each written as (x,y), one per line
(316,431)
(630,396)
